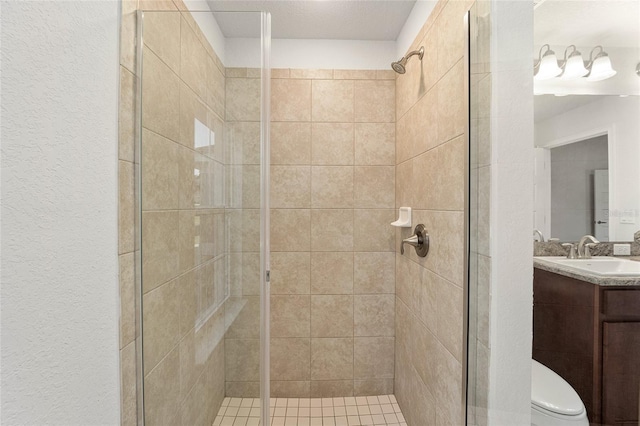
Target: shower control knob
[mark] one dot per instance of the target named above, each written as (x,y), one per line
(419,240)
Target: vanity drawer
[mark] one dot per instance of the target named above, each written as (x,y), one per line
(621,302)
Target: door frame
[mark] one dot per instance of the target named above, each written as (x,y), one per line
(610,132)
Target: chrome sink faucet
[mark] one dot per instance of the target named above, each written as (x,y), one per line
(583,246)
(538,234)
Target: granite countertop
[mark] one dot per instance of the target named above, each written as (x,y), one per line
(540,263)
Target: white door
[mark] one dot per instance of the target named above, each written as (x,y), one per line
(601,204)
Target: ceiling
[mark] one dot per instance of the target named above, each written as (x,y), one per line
(611,23)
(380,20)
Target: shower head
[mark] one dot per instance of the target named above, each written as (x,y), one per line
(399,66)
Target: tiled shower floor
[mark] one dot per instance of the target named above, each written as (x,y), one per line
(348,411)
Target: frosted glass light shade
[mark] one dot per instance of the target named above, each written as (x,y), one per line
(574,68)
(601,69)
(548,67)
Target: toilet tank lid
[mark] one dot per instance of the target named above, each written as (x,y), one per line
(551,392)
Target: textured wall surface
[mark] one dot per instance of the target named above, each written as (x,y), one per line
(59,218)
(509,396)
(430,159)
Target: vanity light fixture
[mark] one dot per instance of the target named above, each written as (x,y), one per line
(546,67)
(599,66)
(572,66)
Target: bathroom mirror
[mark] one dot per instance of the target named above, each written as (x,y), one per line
(586,159)
(587,132)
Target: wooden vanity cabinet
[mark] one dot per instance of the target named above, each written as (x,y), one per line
(590,335)
(620,372)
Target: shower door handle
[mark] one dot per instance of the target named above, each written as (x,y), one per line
(419,240)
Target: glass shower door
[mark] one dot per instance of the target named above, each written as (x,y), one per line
(202,191)
(479,261)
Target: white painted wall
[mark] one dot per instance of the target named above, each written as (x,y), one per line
(312,54)
(509,396)
(619,118)
(331,54)
(293,53)
(201,13)
(59,272)
(416,20)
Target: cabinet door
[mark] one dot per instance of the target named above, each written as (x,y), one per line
(620,372)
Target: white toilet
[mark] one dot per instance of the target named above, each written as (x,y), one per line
(553,401)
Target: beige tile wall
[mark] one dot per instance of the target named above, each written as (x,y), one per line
(184,269)
(430,160)
(332,198)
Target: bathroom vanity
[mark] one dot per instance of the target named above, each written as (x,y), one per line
(586,328)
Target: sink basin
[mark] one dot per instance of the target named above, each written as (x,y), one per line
(605,266)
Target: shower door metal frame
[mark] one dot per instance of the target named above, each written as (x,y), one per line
(467,206)
(138,219)
(265,217)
